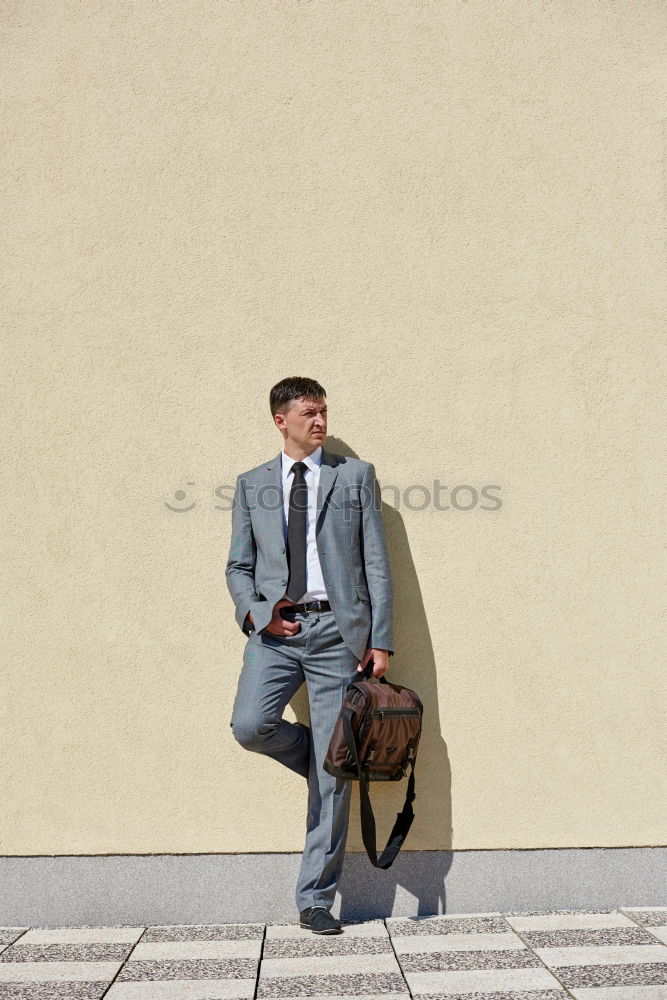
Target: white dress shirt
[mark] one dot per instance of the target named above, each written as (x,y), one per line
(314,581)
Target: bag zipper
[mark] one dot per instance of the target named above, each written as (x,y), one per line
(379,713)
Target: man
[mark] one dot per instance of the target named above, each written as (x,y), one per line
(309,574)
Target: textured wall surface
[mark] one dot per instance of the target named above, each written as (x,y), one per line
(451,214)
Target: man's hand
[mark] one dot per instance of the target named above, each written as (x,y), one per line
(380,658)
(278,625)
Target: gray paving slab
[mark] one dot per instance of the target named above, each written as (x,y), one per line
(592,954)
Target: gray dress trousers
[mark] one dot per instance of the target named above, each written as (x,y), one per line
(274,668)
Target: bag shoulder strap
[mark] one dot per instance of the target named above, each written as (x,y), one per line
(368,829)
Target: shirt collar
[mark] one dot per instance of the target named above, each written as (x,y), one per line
(313,461)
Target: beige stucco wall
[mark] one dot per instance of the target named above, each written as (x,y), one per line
(452,215)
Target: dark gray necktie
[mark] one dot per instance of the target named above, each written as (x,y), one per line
(296,533)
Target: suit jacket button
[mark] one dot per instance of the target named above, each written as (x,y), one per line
(283,582)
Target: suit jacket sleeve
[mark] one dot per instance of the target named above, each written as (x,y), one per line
(240,571)
(376,563)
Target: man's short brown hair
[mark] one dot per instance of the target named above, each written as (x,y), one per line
(288,389)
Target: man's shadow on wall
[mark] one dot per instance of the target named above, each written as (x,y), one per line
(416,880)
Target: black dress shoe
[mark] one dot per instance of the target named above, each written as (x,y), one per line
(319,920)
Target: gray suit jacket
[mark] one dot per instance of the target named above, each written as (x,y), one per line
(351,545)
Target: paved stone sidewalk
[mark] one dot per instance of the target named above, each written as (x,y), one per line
(588,955)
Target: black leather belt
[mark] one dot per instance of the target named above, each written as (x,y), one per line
(307,606)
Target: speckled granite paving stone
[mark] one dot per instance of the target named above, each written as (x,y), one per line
(194,969)
(366,929)
(647,974)
(233,948)
(329,965)
(650,916)
(618,993)
(203,932)
(53,991)
(343,985)
(606,955)
(58,972)
(82,935)
(637,992)
(446,924)
(653,921)
(475,981)
(446,960)
(326,944)
(587,936)
(212,989)
(658,934)
(10,934)
(567,921)
(414,944)
(558,994)
(21,952)
(346,996)
(551,913)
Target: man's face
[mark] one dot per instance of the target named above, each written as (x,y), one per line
(305,423)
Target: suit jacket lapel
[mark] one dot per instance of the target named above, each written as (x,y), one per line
(328,473)
(275,500)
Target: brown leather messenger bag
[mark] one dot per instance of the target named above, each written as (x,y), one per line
(376,738)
